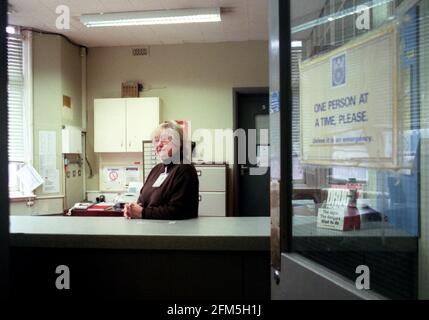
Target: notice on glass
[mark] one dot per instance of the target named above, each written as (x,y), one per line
(47,161)
(331,218)
(347,107)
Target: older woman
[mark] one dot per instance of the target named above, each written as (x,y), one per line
(171,189)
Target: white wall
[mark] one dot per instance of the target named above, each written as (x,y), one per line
(47,96)
(194,81)
(56,72)
(71,80)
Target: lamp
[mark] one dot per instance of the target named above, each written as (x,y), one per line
(135,18)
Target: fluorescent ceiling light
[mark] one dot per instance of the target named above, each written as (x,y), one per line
(151,17)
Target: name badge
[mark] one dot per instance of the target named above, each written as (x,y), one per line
(160,180)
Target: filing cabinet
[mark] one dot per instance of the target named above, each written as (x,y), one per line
(212,186)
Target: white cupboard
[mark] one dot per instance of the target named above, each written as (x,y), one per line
(121,124)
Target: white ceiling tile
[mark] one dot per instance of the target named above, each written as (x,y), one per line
(258,6)
(116,6)
(20,6)
(145,5)
(258,11)
(258,27)
(187,4)
(77,7)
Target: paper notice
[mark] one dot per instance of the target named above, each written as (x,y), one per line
(51,184)
(29,177)
(132,174)
(331,218)
(263,156)
(113,178)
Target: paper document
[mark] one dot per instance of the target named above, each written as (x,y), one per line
(29,177)
(263,156)
(113,178)
(132,174)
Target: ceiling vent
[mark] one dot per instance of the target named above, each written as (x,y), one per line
(144,51)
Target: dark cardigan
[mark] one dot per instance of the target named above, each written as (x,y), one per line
(176,198)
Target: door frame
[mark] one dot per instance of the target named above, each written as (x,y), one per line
(4,185)
(235,175)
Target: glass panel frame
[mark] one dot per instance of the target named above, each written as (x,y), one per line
(349,210)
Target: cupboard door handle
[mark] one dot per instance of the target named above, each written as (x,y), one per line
(199,173)
(200,198)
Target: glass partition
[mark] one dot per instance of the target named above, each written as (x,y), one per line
(360,119)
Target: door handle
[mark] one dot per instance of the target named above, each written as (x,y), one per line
(244,170)
(276,276)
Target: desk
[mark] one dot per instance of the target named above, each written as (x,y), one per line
(112,257)
(93,213)
(303,192)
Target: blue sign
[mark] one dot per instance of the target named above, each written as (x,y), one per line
(274,102)
(338,70)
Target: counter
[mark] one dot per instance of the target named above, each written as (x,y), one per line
(114,258)
(204,233)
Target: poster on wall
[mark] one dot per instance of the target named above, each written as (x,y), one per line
(113,178)
(348,104)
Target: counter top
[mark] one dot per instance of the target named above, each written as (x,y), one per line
(306,226)
(204,233)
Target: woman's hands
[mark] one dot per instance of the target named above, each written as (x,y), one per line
(133,211)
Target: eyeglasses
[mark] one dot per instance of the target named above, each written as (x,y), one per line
(163,139)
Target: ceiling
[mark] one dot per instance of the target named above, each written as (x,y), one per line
(242,20)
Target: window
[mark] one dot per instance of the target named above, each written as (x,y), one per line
(19,107)
(360,119)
